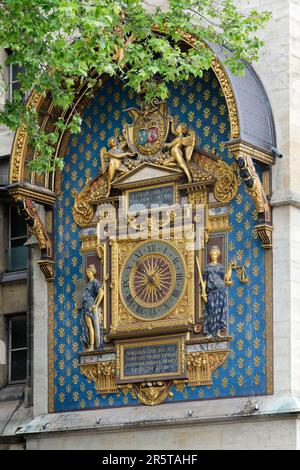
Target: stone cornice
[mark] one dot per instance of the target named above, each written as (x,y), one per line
(286,197)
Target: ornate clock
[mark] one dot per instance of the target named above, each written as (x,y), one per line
(152,280)
(150,285)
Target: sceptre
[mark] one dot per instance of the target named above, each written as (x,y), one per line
(202,283)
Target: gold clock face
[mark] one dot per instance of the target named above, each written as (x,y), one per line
(152,280)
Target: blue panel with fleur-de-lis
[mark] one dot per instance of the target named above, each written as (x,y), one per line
(201,105)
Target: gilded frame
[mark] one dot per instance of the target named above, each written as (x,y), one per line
(170,339)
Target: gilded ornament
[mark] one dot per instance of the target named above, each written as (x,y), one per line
(103,374)
(253,184)
(201,365)
(229,97)
(197,196)
(181,148)
(226,186)
(265,234)
(153,393)
(83,211)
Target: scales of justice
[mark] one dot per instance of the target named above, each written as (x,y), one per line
(154,307)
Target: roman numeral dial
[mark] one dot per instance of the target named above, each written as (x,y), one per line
(152,280)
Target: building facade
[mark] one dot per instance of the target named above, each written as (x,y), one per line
(118,324)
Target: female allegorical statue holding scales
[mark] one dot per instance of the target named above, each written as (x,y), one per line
(214,295)
(92,334)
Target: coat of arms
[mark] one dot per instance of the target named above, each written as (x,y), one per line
(148,130)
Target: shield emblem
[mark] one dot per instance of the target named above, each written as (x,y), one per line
(149,128)
(142,136)
(152,135)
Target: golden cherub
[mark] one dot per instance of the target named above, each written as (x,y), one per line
(181,148)
(111,160)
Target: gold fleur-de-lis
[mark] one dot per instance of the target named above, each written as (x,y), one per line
(75,379)
(206,113)
(175,101)
(214,138)
(75,330)
(256,307)
(255,289)
(240,380)
(222,146)
(239,236)
(222,109)
(256,361)
(191,98)
(75,396)
(240,363)
(206,131)
(75,363)
(191,116)
(239,217)
(240,291)
(256,379)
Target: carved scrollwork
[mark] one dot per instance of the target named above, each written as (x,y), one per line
(28,211)
(83,211)
(226,186)
(253,184)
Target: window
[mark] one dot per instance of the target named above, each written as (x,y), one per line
(17,252)
(14,83)
(17,349)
